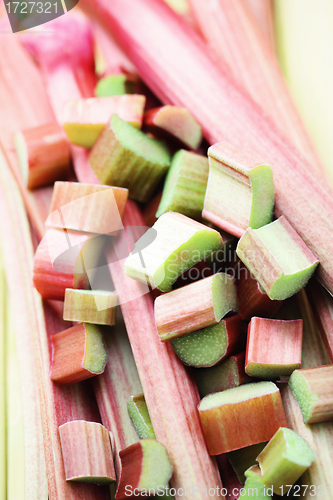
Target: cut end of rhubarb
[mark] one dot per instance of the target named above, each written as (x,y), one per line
(95,354)
(284,459)
(240,190)
(138,412)
(185,185)
(114,85)
(180,243)
(175,122)
(237,395)
(126,157)
(302,392)
(144,466)
(203,348)
(278,258)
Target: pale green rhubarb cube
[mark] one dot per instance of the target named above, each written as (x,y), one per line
(285,458)
(124,156)
(277,258)
(175,244)
(240,190)
(185,185)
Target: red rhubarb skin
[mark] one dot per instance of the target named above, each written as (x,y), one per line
(176,64)
(273,341)
(256,420)
(251,300)
(131,468)
(169,390)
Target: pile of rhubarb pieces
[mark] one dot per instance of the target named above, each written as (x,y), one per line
(186,332)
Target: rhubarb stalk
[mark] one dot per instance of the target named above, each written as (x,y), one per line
(229,27)
(173,394)
(49,405)
(113,388)
(3,326)
(176,65)
(322,305)
(138,411)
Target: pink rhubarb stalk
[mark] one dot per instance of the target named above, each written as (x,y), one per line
(173,393)
(228,28)
(57,405)
(176,64)
(64,51)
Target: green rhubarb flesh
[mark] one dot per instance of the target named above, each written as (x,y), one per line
(113,85)
(156,466)
(253,487)
(285,458)
(237,197)
(95,353)
(237,395)
(301,390)
(241,460)
(124,156)
(201,243)
(176,244)
(185,185)
(218,378)
(138,412)
(203,348)
(278,259)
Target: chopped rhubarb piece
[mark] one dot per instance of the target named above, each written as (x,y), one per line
(252,301)
(114,85)
(138,411)
(241,416)
(43,154)
(313,390)
(278,258)
(172,246)
(244,458)
(226,375)
(119,379)
(240,190)
(209,346)
(87,453)
(90,306)
(178,123)
(78,353)
(126,157)
(284,459)
(62,260)
(195,306)
(145,467)
(84,119)
(87,207)
(254,486)
(185,185)
(274,348)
